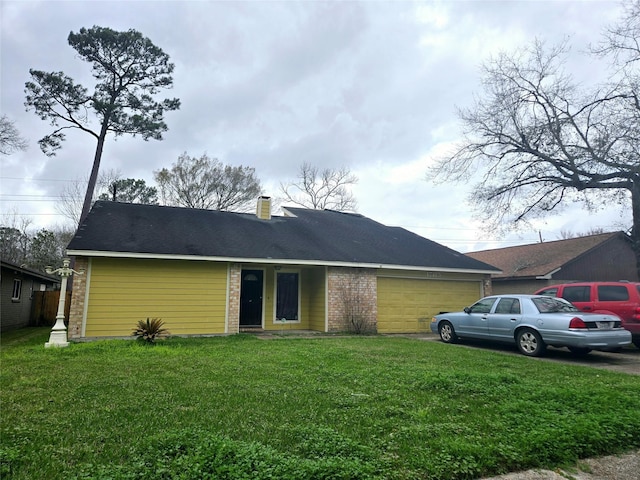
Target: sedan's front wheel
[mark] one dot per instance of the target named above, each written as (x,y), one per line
(447,333)
(530,342)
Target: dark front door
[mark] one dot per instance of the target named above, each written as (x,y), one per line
(251,298)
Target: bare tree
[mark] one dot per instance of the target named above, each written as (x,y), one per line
(73,194)
(620,41)
(567,234)
(206,183)
(534,141)
(326,189)
(10,139)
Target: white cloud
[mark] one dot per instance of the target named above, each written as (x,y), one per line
(368,85)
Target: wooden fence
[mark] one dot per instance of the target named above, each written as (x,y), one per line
(44,308)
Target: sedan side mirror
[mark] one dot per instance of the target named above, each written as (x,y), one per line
(467,310)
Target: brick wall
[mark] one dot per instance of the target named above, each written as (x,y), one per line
(487,286)
(351,292)
(235,281)
(76,311)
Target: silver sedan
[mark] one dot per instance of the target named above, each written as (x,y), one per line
(532,322)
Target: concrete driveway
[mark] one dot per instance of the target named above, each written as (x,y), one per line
(626,361)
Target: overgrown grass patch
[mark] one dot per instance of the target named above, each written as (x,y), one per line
(343,407)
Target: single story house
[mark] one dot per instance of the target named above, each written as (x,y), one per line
(18,286)
(213,272)
(527,268)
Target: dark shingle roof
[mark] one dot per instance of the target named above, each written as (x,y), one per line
(318,236)
(540,259)
(31,272)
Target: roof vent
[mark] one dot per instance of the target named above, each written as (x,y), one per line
(263,210)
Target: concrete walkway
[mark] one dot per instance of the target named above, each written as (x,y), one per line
(613,467)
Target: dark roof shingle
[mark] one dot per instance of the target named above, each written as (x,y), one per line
(318,236)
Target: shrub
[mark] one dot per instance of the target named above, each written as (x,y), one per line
(357,313)
(150,329)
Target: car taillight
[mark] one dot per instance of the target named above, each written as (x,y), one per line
(577,323)
(636,314)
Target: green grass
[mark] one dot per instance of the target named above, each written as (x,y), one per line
(326,408)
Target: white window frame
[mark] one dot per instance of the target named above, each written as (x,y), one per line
(277,320)
(16,294)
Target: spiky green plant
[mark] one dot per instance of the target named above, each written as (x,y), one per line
(150,329)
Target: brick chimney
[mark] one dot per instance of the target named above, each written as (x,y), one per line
(263,211)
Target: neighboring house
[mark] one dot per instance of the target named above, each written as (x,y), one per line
(18,286)
(526,268)
(213,272)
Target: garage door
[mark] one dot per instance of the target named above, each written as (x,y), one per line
(407,305)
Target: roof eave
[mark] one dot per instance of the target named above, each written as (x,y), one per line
(31,272)
(549,276)
(273,261)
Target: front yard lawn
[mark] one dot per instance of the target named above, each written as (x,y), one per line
(340,408)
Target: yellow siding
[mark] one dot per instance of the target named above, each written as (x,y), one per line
(316,286)
(304,301)
(406,305)
(189,296)
(269,289)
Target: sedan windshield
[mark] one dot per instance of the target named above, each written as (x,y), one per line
(553,305)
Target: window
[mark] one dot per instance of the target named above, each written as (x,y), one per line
(549,292)
(612,293)
(553,305)
(508,306)
(577,294)
(483,306)
(17,290)
(287,296)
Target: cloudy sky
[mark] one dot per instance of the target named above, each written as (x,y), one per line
(372,86)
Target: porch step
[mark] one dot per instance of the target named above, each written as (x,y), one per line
(251,330)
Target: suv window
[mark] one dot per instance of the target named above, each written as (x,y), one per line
(612,293)
(549,292)
(576,294)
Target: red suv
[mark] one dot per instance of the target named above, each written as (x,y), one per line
(619,298)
